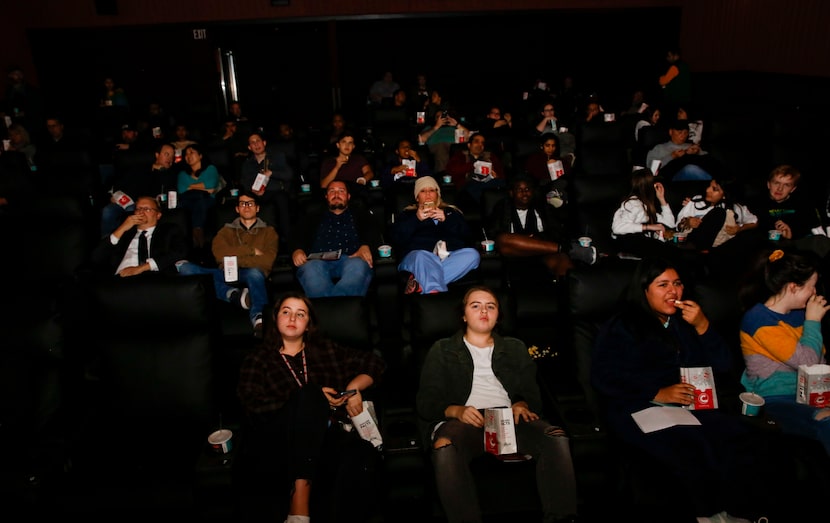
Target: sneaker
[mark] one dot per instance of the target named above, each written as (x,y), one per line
(584,254)
(241,298)
(722,517)
(258,327)
(412,285)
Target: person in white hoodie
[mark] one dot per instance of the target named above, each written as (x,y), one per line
(639,224)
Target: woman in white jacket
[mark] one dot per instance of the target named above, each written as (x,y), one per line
(718,225)
(714,217)
(643,217)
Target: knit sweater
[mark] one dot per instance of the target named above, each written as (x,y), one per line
(774,345)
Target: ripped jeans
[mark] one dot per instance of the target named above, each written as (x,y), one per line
(555,479)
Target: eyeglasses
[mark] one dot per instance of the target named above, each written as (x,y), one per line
(247,203)
(145,209)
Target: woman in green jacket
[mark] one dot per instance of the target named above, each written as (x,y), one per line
(478,369)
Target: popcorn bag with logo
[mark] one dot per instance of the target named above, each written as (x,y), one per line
(366,424)
(706,397)
(813,385)
(499,431)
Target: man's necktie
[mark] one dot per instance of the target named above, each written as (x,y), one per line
(143,251)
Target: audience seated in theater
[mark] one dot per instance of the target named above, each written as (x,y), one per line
(545,122)
(542,166)
(112,112)
(637,361)
(233,143)
(523,226)
(442,121)
(648,118)
(294,145)
(382,91)
(278,186)
(649,131)
(473,169)
(781,330)
(23,101)
(417,95)
(131,139)
(254,244)
(716,221)
(534,96)
(146,179)
(120,253)
(679,158)
(417,232)
(244,125)
(791,212)
(347,165)
(181,138)
(113,95)
(640,222)
(197,185)
(20,141)
(695,125)
(289,388)
(399,171)
(58,139)
(476,369)
(498,132)
(332,132)
(569,98)
(339,226)
(635,106)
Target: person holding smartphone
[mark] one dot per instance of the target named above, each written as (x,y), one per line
(433,239)
(290,392)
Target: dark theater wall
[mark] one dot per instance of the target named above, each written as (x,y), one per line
(149,43)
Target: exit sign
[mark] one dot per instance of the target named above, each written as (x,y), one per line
(199,34)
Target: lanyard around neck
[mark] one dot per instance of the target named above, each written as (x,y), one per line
(293,373)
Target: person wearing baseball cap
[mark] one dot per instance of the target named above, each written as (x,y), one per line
(679,158)
(432,236)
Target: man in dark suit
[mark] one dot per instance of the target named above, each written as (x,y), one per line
(121,253)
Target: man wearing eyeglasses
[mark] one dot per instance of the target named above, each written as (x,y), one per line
(349,230)
(254,244)
(120,253)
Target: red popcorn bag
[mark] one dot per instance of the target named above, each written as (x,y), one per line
(706,396)
(499,431)
(813,385)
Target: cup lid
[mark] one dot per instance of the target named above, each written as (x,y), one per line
(750,398)
(220,436)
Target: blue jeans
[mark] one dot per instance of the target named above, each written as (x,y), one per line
(251,278)
(433,274)
(798,418)
(317,277)
(112,215)
(691,172)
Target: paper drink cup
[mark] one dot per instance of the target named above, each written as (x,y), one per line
(221,441)
(751,403)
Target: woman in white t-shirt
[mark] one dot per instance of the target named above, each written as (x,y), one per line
(478,369)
